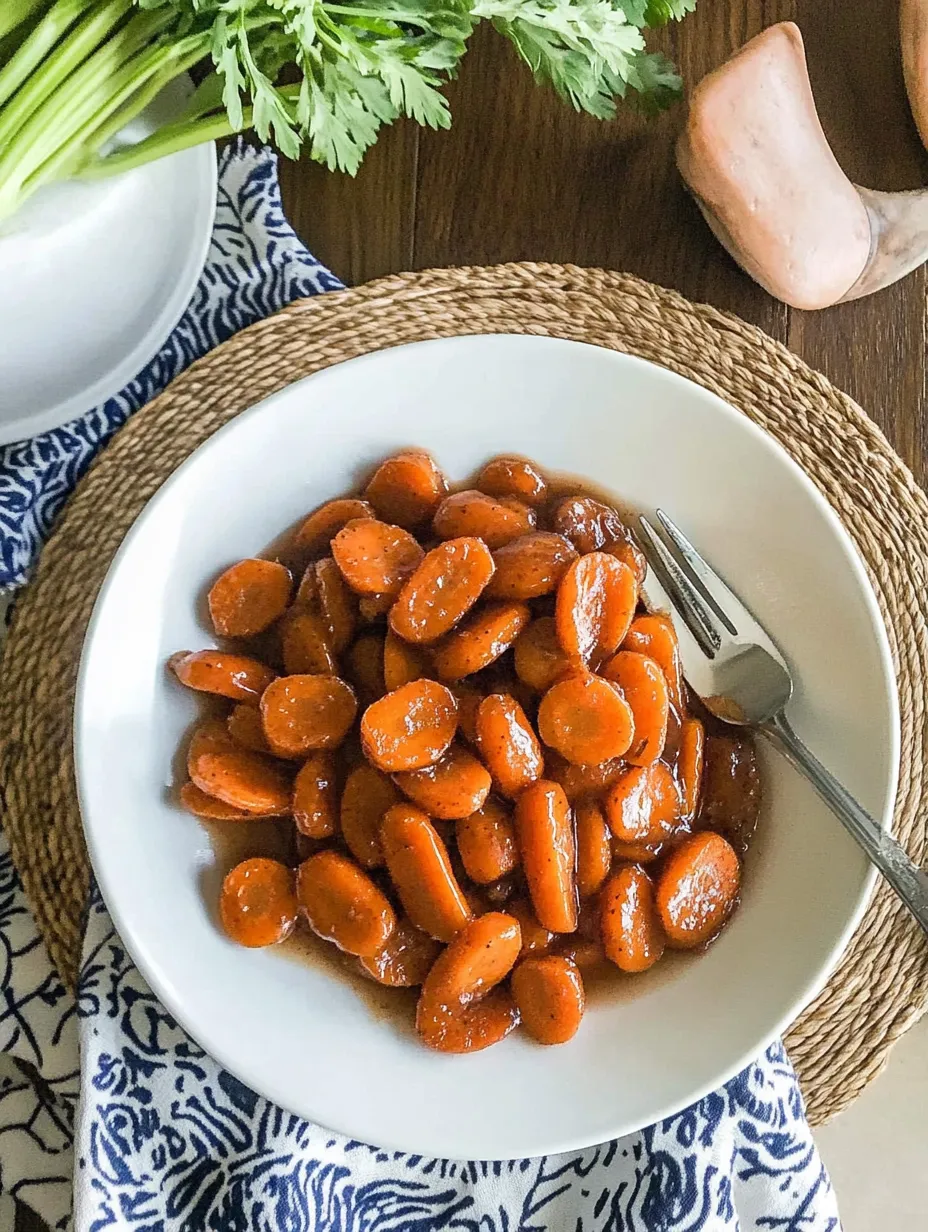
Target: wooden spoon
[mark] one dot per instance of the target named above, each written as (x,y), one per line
(755,158)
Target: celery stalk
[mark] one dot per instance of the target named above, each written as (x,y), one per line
(15,12)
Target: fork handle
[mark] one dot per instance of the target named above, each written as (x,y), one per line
(902,873)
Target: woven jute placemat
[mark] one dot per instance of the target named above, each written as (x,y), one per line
(842,1040)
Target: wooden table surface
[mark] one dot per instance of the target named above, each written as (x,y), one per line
(520,176)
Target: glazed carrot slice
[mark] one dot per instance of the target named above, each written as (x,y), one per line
(210,736)
(403,663)
(323,524)
(366,796)
(217,671)
(635,853)
(586,719)
(468,700)
(644,687)
(594,848)
(530,567)
(698,889)
(586,954)
(486,843)
(632,934)
(475,514)
(375,558)
(337,606)
(365,667)
(314,796)
(654,635)
(249,597)
(244,726)
(411,727)
(446,585)
(582,780)
(406,489)
(596,601)
(208,807)
(536,939)
(592,526)
(643,805)
(306,592)
(303,713)
(258,905)
(539,659)
(690,759)
(372,607)
(454,786)
(343,905)
(546,840)
(248,781)
(305,644)
(512,476)
(548,992)
(418,863)
(405,958)
(480,639)
(507,744)
(460,1008)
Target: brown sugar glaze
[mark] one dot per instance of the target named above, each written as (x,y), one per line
(730,800)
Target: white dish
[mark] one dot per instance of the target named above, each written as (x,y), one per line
(302,1037)
(95,276)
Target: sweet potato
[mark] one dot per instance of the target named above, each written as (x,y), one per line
(249,597)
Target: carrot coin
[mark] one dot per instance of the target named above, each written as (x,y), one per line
(698,889)
(592,526)
(305,643)
(654,635)
(631,928)
(304,713)
(410,728)
(548,992)
(375,558)
(510,476)
(249,597)
(531,566)
(337,606)
(208,807)
(454,786)
(217,671)
(403,663)
(596,601)
(486,843)
(244,726)
(323,524)
(372,607)
(507,744)
(545,834)
(644,687)
(643,805)
(365,667)
(586,719)
(446,585)
(594,849)
(314,798)
(460,1008)
(406,489)
(258,905)
(480,640)
(343,905)
(539,659)
(536,939)
(635,853)
(419,867)
(366,796)
(583,780)
(405,958)
(474,514)
(690,758)
(210,736)
(248,781)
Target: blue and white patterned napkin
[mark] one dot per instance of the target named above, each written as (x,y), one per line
(109,1095)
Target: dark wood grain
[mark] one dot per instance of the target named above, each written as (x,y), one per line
(521,176)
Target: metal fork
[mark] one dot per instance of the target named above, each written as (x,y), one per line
(744,680)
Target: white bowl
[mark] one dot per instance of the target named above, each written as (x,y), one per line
(301,1036)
